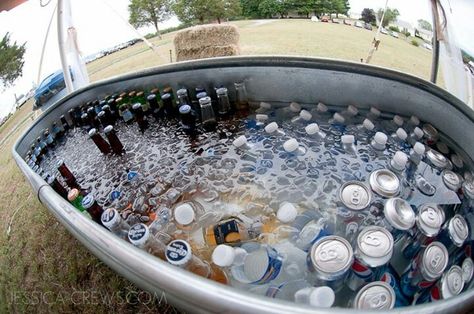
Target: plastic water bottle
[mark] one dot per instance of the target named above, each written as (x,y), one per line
(241,143)
(293,147)
(348,144)
(273,129)
(304,117)
(415,136)
(264,107)
(365,131)
(320,297)
(417,153)
(379,141)
(373,114)
(399,162)
(314,132)
(321,113)
(399,139)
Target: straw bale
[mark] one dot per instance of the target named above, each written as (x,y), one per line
(207,52)
(207,36)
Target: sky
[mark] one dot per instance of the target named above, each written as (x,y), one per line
(100,24)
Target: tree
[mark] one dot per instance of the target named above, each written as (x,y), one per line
(390,16)
(250,8)
(270,8)
(189,11)
(423,24)
(145,12)
(11,61)
(368,16)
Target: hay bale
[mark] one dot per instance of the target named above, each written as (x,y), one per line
(207,41)
(207,52)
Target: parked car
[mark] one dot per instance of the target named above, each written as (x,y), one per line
(368,26)
(336,21)
(358,24)
(346,22)
(384,31)
(325,19)
(427,46)
(394,34)
(49,87)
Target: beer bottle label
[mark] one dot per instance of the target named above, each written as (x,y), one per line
(227,232)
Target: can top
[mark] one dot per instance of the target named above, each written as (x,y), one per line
(457,160)
(221,91)
(110,218)
(355,195)
(437,159)
(467,269)
(452,282)
(331,255)
(458,230)
(434,261)
(384,182)
(468,189)
(430,131)
(424,186)
(442,147)
(138,234)
(377,295)
(374,246)
(399,213)
(430,219)
(178,252)
(72,195)
(88,201)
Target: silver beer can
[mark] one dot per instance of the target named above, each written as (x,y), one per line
(384,182)
(377,295)
(454,232)
(355,195)
(452,180)
(437,159)
(399,216)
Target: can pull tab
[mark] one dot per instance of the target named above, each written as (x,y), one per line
(377,300)
(372,240)
(436,260)
(328,255)
(356,197)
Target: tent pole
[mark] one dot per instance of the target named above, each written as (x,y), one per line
(62,46)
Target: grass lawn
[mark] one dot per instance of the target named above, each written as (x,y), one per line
(42,266)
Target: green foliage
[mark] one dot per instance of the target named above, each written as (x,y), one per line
(390,16)
(415,42)
(394,28)
(272,8)
(11,61)
(190,11)
(424,24)
(368,16)
(145,12)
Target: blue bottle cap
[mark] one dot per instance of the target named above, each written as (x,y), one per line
(88,201)
(132,175)
(114,195)
(184,109)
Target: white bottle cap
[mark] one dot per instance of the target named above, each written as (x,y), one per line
(287,212)
(398,120)
(261,117)
(240,141)
(271,127)
(418,133)
(399,160)
(368,124)
(316,296)
(375,111)
(321,107)
(295,107)
(414,120)
(380,138)
(312,128)
(419,148)
(291,145)
(401,134)
(305,115)
(347,139)
(265,105)
(337,116)
(184,214)
(223,255)
(352,110)
(240,255)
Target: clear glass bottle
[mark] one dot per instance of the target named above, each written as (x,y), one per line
(183,97)
(140,236)
(242,100)
(223,101)
(112,220)
(208,118)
